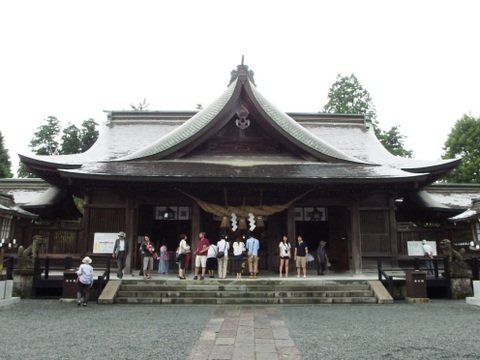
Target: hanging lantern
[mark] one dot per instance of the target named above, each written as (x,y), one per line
(242,224)
(260,222)
(224,224)
(315,215)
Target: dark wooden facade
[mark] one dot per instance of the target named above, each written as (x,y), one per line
(241,152)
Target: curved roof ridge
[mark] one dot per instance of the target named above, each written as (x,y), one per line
(287,124)
(195,124)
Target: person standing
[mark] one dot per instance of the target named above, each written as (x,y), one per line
(253,245)
(428,255)
(148,251)
(284,251)
(301,250)
(212,263)
(322,258)
(201,255)
(183,249)
(163,265)
(85,281)
(120,252)
(238,249)
(223,246)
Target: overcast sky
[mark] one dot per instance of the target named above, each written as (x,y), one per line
(418,59)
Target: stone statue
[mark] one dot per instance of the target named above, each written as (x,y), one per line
(26,256)
(457,267)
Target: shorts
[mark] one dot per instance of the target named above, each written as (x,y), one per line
(284,257)
(301,262)
(148,263)
(201,261)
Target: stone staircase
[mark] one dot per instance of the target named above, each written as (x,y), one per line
(249,292)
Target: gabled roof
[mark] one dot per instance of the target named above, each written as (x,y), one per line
(162,145)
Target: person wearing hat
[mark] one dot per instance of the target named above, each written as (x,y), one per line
(85,281)
(428,255)
(120,252)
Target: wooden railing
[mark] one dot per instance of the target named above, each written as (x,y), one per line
(440,270)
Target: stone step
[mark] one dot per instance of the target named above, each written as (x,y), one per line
(216,292)
(247,301)
(247,294)
(198,286)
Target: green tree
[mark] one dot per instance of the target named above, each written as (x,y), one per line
(348,96)
(71,142)
(45,140)
(89,134)
(5,163)
(392,140)
(464,141)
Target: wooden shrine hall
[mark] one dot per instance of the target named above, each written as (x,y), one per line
(242,164)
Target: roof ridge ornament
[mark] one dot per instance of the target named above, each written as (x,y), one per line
(242,73)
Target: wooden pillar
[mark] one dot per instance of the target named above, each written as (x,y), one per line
(393,230)
(291,226)
(130,229)
(82,246)
(196,219)
(356,237)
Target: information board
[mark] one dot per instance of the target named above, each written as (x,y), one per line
(415,248)
(103,243)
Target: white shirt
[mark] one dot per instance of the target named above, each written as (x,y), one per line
(212,251)
(238,248)
(223,246)
(85,274)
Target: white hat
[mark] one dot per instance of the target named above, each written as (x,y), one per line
(121,233)
(87,260)
(424,241)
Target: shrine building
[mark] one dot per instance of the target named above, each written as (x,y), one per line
(241,164)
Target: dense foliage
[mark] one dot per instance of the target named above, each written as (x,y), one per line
(464,141)
(5,163)
(49,139)
(348,96)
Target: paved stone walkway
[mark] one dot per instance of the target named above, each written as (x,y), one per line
(245,332)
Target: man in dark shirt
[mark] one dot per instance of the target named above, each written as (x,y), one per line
(301,250)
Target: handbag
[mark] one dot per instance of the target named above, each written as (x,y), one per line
(221,254)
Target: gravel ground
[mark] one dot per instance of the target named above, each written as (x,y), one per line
(437,330)
(49,329)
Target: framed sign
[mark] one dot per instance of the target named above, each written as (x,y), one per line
(103,243)
(298,214)
(415,248)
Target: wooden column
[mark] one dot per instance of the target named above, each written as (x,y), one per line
(291,227)
(196,219)
(393,230)
(356,237)
(130,227)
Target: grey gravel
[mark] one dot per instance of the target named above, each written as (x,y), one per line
(443,329)
(49,329)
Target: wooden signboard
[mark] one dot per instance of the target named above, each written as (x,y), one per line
(415,248)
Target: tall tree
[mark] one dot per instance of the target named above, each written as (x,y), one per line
(45,140)
(464,141)
(348,96)
(5,163)
(71,142)
(392,140)
(89,134)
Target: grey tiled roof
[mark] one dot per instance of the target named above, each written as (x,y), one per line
(143,138)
